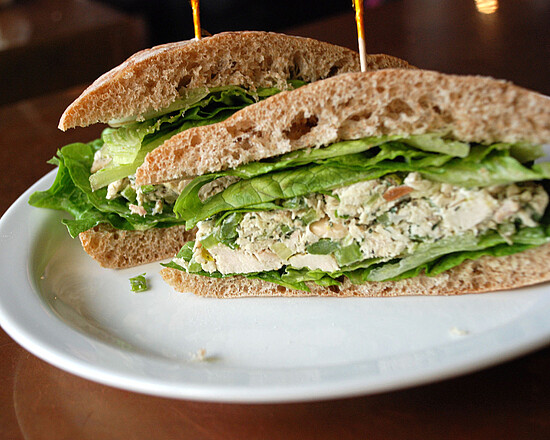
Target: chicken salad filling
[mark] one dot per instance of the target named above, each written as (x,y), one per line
(372,209)
(378,219)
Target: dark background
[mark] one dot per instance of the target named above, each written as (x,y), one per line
(171,20)
(48,45)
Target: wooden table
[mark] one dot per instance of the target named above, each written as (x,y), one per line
(509,401)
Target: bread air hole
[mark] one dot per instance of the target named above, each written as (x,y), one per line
(240,127)
(244,143)
(333,71)
(184,82)
(297,65)
(301,126)
(195,139)
(353,123)
(362,115)
(397,107)
(426,103)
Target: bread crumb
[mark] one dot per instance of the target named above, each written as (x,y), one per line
(199,355)
(455,331)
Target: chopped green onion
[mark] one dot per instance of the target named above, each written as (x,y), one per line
(138,283)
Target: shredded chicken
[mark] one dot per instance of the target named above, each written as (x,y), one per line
(384,218)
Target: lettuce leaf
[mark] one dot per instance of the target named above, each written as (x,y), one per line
(496,168)
(65,196)
(71,192)
(427,252)
(346,163)
(82,194)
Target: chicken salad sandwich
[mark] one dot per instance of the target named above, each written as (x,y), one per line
(395,182)
(147,100)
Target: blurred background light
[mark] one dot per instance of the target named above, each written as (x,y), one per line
(487,6)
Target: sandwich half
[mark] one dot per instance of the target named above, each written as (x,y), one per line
(151,97)
(395,182)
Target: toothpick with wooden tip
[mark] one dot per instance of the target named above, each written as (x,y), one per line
(196,19)
(358,5)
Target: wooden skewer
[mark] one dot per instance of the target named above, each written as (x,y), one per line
(358,5)
(196,19)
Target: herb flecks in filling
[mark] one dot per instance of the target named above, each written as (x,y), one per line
(127,142)
(379,219)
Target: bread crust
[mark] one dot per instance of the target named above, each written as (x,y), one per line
(153,78)
(117,249)
(351,106)
(483,275)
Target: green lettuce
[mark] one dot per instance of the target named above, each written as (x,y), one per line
(82,194)
(290,176)
(71,192)
(279,183)
(138,283)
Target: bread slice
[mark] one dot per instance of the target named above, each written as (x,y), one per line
(152,79)
(116,248)
(483,275)
(351,106)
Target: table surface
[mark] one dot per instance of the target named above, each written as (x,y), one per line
(512,400)
(63,42)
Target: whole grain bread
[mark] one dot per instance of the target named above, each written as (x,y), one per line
(483,275)
(351,106)
(153,78)
(115,248)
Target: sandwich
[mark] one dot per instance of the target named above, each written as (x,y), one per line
(147,100)
(385,183)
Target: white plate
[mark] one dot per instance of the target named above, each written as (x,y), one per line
(60,305)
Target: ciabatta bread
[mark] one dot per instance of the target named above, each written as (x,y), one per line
(153,78)
(483,275)
(352,106)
